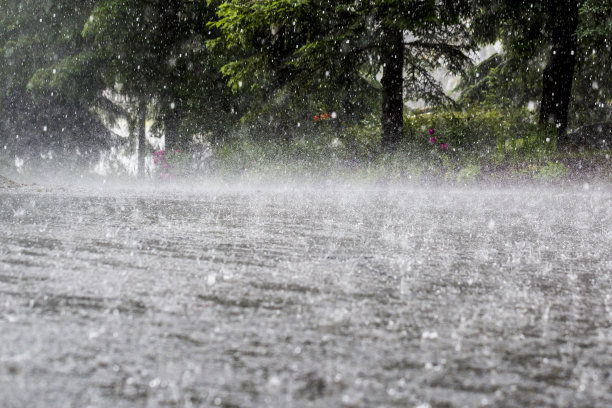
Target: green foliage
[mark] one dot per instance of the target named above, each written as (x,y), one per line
(502,81)
(593,88)
(514,78)
(597,22)
(482,134)
(551,171)
(36,120)
(480,140)
(248,76)
(156,50)
(363,138)
(473,129)
(469,173)
(34,34)
(300,156)
(77,77)
(266,39)
(327,55)
(495,144)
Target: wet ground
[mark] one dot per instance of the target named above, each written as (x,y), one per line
(333,296)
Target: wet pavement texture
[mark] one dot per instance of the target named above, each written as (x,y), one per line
(332,296)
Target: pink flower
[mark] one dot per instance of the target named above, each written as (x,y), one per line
(155,160)
(177,151)
(444,147)
(433,140)
(165,165)
(431,131)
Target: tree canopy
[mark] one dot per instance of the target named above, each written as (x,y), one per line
(211,68)
(35,35)
(338,51)
(554,53)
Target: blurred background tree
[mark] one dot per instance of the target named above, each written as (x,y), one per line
(35,35)
(345,56)
(554,58)
(220,71)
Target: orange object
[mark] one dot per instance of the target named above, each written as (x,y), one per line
(324,116)
(316,118)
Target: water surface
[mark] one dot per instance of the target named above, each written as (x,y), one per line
(306,296)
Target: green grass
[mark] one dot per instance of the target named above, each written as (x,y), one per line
(484,144)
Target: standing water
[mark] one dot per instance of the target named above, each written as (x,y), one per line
(335,296)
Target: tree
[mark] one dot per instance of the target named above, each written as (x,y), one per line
(287,43)
(153,53)
(593,88)
(34,35)
(568,38)
(157,49)
(121,32)
(558,75)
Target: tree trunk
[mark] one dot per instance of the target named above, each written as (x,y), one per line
(558,74)
(170,35)
(142,140)
(171,124)
(392,55)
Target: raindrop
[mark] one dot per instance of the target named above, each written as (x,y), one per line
(427,335)
(275,381)
(211,279)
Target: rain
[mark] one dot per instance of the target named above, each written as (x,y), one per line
(305,204)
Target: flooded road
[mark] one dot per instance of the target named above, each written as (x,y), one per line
(337,296)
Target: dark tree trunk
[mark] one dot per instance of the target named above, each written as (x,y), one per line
(169,31)
(349,104)
(392,54)
(559,72)
(142,140)
(171,124)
